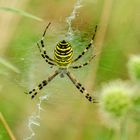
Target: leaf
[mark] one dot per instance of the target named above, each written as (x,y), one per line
(20,12)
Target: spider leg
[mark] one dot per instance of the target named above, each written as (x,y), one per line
(88,47)
(80,87)
(35,91)
(43,50)
(46,29)
(82,65)
(46,57)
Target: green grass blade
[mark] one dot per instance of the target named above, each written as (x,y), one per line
(8,65)
(20,12)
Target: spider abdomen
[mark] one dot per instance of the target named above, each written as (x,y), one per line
(63,53)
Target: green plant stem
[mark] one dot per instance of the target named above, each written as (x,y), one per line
(6,126)
(123,129)
(111,134)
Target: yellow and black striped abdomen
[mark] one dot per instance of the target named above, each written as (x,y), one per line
(63,53)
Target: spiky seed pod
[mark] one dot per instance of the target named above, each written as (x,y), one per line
(115,100)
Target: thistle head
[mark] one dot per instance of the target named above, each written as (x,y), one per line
(115,100)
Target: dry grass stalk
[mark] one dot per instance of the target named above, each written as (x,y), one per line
(6,126)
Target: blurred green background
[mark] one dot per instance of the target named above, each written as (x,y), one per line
(67,115)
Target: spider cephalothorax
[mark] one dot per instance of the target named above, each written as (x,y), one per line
(63,59)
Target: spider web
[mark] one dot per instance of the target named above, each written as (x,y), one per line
(34,119)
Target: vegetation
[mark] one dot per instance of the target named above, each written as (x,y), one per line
(113,76)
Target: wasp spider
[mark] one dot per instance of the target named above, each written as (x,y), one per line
(63,58)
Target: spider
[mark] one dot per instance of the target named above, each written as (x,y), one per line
(63,59)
